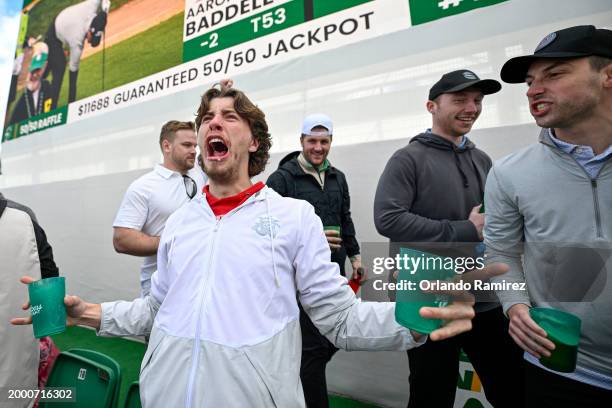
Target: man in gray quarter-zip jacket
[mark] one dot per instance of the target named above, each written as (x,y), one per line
(551,204)
(232,264)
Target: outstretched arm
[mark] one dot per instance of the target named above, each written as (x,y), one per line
(78,312)
(345,320)
(118,318)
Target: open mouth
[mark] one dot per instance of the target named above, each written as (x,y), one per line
(217,149)
(466,119)
(316,158)
(540,108)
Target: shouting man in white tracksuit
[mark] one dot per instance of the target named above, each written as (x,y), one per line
(222,312)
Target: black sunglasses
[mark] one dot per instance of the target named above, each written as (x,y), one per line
(191,187)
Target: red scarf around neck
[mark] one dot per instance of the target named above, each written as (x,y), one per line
(221,206)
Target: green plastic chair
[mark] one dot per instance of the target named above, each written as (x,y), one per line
(107,361)
(94,383)
(132,399)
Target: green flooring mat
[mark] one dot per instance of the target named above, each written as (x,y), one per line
(129,354)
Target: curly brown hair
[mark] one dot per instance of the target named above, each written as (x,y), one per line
(247,111)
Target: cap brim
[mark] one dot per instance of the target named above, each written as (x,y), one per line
(487,86)
(36,65)
(95,41)
(515,69)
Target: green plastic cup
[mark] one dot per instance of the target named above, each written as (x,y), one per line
(47,306)
(563,329)
(332,228)
(410,299)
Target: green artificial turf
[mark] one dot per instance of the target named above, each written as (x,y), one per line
(336,401)
(129,354)
(154,50)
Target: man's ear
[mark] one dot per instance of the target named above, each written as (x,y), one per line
(166,146)
(254,145)
(607,76)
(431,107)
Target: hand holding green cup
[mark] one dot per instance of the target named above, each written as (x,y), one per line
(47,306)
(409,301)
(332,228)
(563,329)
(334,238)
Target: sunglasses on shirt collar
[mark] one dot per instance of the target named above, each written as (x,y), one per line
(191,187)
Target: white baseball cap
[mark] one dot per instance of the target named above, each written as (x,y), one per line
(316,120)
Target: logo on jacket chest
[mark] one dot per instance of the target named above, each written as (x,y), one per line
(266,226)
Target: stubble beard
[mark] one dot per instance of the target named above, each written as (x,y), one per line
(220,175)
(569,113)
(182,164)
(572,110)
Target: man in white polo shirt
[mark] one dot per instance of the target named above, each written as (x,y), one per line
(153,197)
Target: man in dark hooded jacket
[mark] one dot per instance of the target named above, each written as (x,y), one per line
(431,192)
(308,175)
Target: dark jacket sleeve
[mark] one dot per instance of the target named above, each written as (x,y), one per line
(19,111)
(276,182)
(349,239)
(48,269)
(393,218)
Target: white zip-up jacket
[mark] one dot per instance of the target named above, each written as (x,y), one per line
(223,306)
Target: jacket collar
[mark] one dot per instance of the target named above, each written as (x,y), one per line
(438,142)
(545,138)
(309,166)
(294,168)
(260,195)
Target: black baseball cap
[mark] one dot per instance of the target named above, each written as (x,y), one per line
(96,28)
(572,42)
(462,79)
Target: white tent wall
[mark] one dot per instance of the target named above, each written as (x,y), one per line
(74,176)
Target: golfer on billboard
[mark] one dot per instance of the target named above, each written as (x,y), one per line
(70,28)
